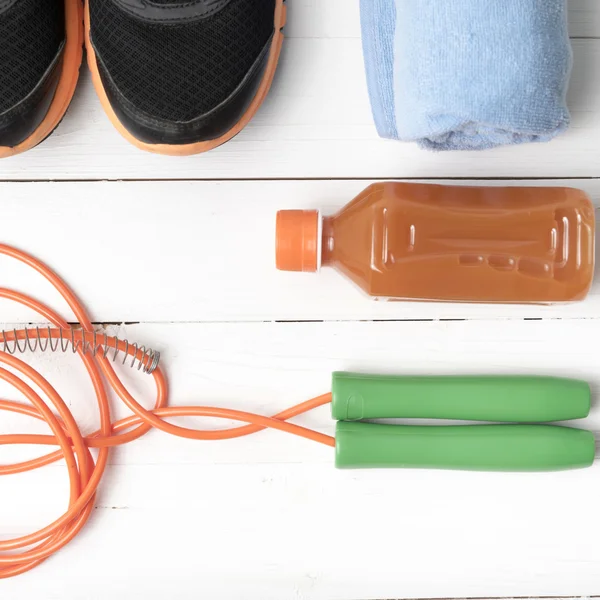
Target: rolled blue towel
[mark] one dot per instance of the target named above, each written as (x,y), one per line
(467,74)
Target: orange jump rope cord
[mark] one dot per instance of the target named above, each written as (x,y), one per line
(21,554)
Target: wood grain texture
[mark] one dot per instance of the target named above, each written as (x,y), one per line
(584,18)
(204,251)
(283,533)
(269,517)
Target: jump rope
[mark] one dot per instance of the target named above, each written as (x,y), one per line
(355,400)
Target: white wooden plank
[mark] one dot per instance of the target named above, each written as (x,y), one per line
(269,533)
(267,367)
(340,18)
(202,251)
(269,517)
(584,17)
(316,123)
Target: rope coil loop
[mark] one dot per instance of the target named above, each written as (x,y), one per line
(22,554)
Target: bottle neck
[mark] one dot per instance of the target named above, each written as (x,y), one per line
(327,242)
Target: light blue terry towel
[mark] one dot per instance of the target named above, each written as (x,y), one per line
(467,74)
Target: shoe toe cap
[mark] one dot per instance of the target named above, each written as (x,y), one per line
(208,125)
(19,122)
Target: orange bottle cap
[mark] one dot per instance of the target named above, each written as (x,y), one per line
(297,240)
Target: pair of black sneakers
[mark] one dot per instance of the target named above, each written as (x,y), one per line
(174,76)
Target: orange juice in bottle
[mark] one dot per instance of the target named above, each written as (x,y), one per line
(411,241)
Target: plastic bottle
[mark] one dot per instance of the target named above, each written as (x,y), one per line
(448,243)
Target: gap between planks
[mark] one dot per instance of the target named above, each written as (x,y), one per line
(298,179)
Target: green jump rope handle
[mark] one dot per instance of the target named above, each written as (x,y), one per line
(463,447)
(504,398)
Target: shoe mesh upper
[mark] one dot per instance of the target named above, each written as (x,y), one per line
(178,72)
(31,33)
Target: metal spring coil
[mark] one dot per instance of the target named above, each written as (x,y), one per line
(48,339)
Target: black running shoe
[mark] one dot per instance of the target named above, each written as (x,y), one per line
(182,76)
(41,46)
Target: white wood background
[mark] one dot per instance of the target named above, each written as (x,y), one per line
(268,517)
